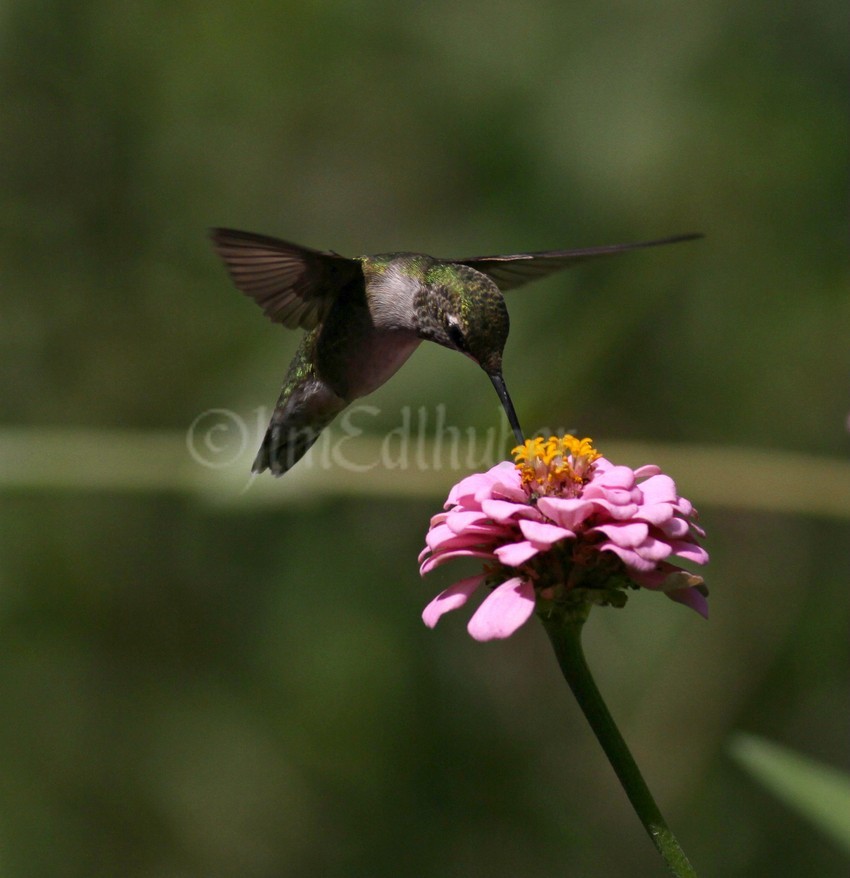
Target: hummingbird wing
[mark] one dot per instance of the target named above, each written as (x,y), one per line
(513,271)
(294,285)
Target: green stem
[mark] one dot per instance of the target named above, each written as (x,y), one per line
(564,630)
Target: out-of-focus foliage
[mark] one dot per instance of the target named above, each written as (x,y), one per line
(199,690)
(817,791)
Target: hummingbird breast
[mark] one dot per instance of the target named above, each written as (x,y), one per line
(356,365)
(356,354)
(381,355)
(369,333)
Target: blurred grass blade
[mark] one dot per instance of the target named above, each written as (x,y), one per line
(819,792)
(173,461)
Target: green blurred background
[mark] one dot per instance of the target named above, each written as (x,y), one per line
(203,680)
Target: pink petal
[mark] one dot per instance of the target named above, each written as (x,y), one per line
(616,511)
(504,481)
(675,529)
(684,507)
(653,549)
(665,575)
(503,611)
(510,488)
(441,537)
(567,512)
(649,469)
(689,551)
(543,535)
(679,585)
(616,477)
(467,488)
(655,513)
(453,597)
(464,541)
(690,597)
(659,489)
(618,496)
(460,519)
(627,534)
(438,559)
(437,534)
(514,554)
(628,556)
(503,511)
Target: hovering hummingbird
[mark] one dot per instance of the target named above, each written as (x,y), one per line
(364,317)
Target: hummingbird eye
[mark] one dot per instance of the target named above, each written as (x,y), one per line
(456,335)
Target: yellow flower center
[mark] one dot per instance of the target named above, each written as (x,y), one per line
(555,466)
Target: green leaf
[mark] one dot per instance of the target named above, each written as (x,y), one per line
(819,792)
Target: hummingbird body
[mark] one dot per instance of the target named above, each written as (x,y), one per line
(347,357)
(364,318)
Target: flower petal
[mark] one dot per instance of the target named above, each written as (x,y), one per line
(690,597)
(628,556)
(503,611)
(441,537)
(649,469)
(463,519)
(656,513)
(514,554)
(616,496)
(467,489)
(453,597)
(665,576)
(659,489)
(627,534)
(690,551)
(436,560)
(504,480)
(568,512)
(652,549)
(615,477)
(502,511)
(617,511)
(510,488)
(684,507)
(543,535)
(463,541)
(675,528)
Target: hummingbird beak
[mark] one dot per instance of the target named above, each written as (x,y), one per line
(502,390)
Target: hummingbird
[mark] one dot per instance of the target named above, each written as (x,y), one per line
(365,316)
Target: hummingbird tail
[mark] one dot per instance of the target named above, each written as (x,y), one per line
(282,449)
(299,417)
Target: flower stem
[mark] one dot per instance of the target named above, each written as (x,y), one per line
(564,630)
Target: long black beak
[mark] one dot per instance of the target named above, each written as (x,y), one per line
(499,384)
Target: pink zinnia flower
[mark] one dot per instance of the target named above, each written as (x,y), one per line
(562,524)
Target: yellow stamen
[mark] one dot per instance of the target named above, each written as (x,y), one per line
(555,465)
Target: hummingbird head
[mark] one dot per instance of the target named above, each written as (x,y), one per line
(462,309)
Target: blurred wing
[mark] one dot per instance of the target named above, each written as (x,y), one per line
(293,285)
(512,271)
